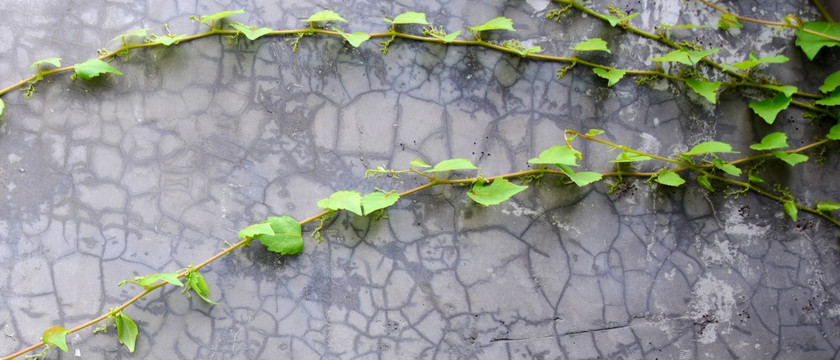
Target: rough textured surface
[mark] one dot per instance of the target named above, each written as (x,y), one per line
(153,171)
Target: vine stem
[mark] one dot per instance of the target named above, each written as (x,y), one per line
(817,3)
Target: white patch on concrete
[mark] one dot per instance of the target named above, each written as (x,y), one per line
(650,144)
(716,300)
(519,210)
(735,226)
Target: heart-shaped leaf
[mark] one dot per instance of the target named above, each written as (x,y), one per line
(93,68)
(325,15)
(612,76)
(558,154)
(409,17)
(769,108)
(705,88)
(343,200)
(710,147)
(495,193)
(452,165)
(378,200)
(791,159)
(670,178)
(594,44)
(251,32)
(55,336)
(126,330)
(776,140)
(287,239)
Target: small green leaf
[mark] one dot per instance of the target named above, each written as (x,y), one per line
(613,76)
(151,279)
(788,90)
(211,19)
(378,200)
(831,100)
(251,32)
(707,89)
(2,106)
(696,56)
(769,108)
(410,17)
(355,39)
(728,21)
(139,32)
(54,61)
(831,82)
(495,193)
(727,167)
(558,154)
(167,40)
(582,178)
(685,57)
(499,23)
(325,15)
(447,38)
(833,133)
(126,330)
(594,44)
(287,239)
(93,68)
(594,132)
(630,157)
(343,200)
(615,20)
(703,180)
(791,209)
(195,281)
(255,230)
(55,336)
(670,178)
(776,140)
(419,163)
(753,61)
(791,159)
(811,44)
(530,50)
(755,179)
(452,164)
(710,147)
(827,206)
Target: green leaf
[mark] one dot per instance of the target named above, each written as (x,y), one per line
(615,20)
(728,21)
(831,100)
(499,23)
(557,154)
(410,17)
(2,106)
(447,38)
(582,178)
(831,82)
(255,230)
(287,239)
(419,163)
(594,44)
(613,76)
(343,200)
(710,147)
(251,32)
(495,193)
(791,209)
(126,330)
(195,281)
(776,140)
(594,132)
(630,157)
(325,15)
(727,167)
(707,89)
(791,159)
(355,39)
(788,90)
(753,61)
(827,206)
(211,19)
(670,178)
(378,200)
(54,61)
(685,57)
(151,279)
(167,40)
(452,164)
(523,52)
(769,108)
(139,32)
(703,180)
(93,68)
(755,179)
(811,44)
(55,336)
(833,133)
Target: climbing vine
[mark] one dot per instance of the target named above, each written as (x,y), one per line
(713,164)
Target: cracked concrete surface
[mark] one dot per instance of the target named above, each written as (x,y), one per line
(153,171)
